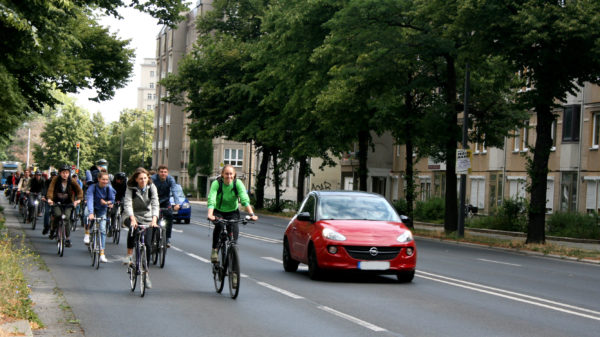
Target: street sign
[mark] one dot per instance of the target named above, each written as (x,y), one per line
(73,167)
(463,161)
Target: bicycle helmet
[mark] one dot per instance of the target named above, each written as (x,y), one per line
(65,168)
(38,173)
(121,176)
(102,162)
(53,173)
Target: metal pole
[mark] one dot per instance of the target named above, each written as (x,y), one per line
(28,141)
(121,154)
(78,160)
(250,170)
(463,177)
(144,150)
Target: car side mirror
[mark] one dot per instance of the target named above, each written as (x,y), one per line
(189,195)
(304,216)
(406,220)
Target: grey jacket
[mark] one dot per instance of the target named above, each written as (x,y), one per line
(142,207)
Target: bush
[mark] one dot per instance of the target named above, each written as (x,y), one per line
(401,206)
(574,225)
(510,216)
(430,210)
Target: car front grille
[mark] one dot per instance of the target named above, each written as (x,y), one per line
(364,253)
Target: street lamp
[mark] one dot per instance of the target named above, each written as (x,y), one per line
(28,142)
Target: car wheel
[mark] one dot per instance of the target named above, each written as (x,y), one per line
(405,276)
(289,264)
(314,272)
(187,221)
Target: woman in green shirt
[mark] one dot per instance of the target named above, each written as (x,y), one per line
(223,203)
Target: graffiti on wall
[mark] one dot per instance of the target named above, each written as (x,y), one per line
(322,186)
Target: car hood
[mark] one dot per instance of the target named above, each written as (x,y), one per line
(365,232)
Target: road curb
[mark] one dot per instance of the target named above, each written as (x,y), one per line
(18,328)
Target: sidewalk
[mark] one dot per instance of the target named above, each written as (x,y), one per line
(48,301)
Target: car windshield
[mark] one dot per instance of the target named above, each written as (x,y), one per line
(350,207)
(179,192)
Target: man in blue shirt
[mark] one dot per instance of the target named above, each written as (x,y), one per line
(165,185)
(100,197)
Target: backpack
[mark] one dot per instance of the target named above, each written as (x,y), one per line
(220,190)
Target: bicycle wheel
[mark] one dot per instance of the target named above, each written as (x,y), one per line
(155,246)
(132,270)
(34,219)
(25,212)
(117,227)
(92,247)
(143,270)
(60,242)
(163,248)
(97,248)
(219,273)
(233,271)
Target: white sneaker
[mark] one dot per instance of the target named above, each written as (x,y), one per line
(103,259)
(128,259)
(86,239)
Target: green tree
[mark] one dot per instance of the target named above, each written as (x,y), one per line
(555,45)
(48,45)
(135,128)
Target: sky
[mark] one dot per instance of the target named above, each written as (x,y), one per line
(142,29)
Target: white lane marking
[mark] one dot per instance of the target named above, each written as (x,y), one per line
(281,291)
(272,259)
(177,230)
(552,305)
(351,318)
(246,235)
(499,262)
(191,255)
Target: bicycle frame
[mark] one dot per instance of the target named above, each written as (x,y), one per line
(61,231)
(228,264)
(140,265)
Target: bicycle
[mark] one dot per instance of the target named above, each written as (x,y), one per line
(139,266)
(158,246)
(36,205)
(229,262)
(115,228)
(24,210)
(61,232)
(95,246)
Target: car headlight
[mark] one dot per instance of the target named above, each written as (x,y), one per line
(333,235)
(405,237)
(185,205)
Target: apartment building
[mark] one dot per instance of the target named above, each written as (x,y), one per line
(171,145)
(500,173)
(146,99)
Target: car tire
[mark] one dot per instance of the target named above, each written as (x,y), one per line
(314,271)
(187,221)
(289,265)
(405,276)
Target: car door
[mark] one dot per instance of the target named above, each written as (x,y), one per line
(301,229)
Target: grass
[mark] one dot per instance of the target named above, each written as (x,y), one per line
(15,293)
(516,244)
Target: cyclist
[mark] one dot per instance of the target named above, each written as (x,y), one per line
(100,197)
(165,184)
(223,203)
(119,183)
(91,175)
(64,190)
(34,189)
(141,206)
(23,182)
(44,198)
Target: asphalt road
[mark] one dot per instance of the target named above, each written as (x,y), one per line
(459,290)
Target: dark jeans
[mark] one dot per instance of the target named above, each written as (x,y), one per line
(232,228)
(131,238)
(47,215)
(56,211)
(168,216)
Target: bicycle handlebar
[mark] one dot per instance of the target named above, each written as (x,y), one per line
(232,221)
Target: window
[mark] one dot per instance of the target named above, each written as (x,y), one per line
(495,185)
(425,188)
(151,75)
(309,206)
(151,85)
(516,187)
(234,157)
(571,123)
(568,191)
(596,130)
(477,197)
(553,136)
(517,139)
(148,107)
(521,138)
(149,96)
(439,184)
(550,196)
(524,146)
(592,194)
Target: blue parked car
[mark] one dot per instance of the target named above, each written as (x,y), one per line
(185,211)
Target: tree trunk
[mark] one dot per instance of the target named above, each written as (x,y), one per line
(262,177)
(301,179)
(277,181)
(538,172)
(451,204)
(363,148)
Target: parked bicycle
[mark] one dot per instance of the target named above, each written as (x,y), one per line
(61,235)
(229,262)
(159,240)
(139,265)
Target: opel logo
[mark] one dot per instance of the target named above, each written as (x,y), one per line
(373,251)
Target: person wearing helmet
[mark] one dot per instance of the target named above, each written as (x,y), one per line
(65,190)
(91,175)
(21,188)
(45,200)
(34,189)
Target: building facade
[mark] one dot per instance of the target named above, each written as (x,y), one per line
(146,99)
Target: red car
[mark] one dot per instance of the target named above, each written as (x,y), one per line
(349,230)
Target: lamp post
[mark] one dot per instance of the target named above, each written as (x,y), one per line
(28,142)
(144,146)
(463,177)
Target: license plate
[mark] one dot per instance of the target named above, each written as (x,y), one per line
(373,265)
